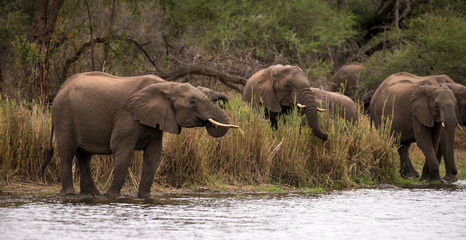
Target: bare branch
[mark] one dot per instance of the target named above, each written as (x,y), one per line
(232,81)
(141,48)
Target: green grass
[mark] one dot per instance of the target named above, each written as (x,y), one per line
(254,155)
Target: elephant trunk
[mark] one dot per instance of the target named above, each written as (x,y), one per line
(306,97)
(216,113)
(448,139)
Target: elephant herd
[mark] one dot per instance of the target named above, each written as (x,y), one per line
(97,113)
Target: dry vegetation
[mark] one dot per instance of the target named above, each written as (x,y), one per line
(354,154)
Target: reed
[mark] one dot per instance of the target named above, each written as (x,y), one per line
(291,155)
(355,154)
(25,132)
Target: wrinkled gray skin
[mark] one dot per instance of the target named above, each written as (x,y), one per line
(97,113)
(277,88)
(335,101)
(418,108)
(460,95)
(346,80)
(213,95)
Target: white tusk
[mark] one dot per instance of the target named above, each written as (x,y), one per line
(300,105)
(222,124)
(459,126)
(321,110)
(443,124)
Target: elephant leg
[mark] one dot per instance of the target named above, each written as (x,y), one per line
(150,164)
(273,117)
(450,174)
(87,184)
(406,167)
(66,154)
(121,164)
(438,153)
(425,141)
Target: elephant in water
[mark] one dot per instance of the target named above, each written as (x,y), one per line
(460,95)
(278,88)
(335,101)
(420,112)
(97,113)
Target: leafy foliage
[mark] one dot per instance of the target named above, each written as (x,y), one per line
(431,45)
(296,28)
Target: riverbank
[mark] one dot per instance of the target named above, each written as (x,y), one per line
(256,158)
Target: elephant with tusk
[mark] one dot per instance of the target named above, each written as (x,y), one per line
(460,95)
(97,113)
(277,88)
(421,112)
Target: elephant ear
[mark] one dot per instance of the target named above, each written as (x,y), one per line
(151,106)
(420,105)
(265,92)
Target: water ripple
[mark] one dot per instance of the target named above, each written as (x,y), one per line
(362,214)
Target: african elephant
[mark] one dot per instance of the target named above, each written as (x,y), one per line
(97,113)
(347,80)
(460,95)
(278,88)
(335,101)
(420,111)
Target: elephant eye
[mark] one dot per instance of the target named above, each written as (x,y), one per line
(192,101)
(288,86)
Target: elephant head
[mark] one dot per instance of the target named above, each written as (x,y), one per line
(347,78)
(460,94)
(281,86)
(437,105)
(171,106)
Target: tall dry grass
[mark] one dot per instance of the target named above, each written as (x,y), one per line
(291,155)
(25,133)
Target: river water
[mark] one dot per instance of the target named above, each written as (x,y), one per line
(389,213)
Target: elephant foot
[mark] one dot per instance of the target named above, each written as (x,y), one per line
(90,189)
(409,174)
(112,194)
(425,176)
(68,190)
(431,177)
(450,178)
(144,195)
(90,192)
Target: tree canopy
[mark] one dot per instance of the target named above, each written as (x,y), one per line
(44,42)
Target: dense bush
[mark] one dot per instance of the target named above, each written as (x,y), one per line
(431,45)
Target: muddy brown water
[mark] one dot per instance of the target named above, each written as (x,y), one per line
(384,213)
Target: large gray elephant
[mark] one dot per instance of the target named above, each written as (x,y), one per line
(97,113)
(460,95)
(420,111)
(335,101)
(347,80)
(277,88)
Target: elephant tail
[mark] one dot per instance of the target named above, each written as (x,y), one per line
(48,154)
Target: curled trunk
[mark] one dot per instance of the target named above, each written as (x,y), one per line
(216,113)
(306,97)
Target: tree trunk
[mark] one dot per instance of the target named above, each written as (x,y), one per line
(45,18)
(91,32)
(110,33)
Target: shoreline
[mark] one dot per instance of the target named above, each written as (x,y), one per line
(27,191)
